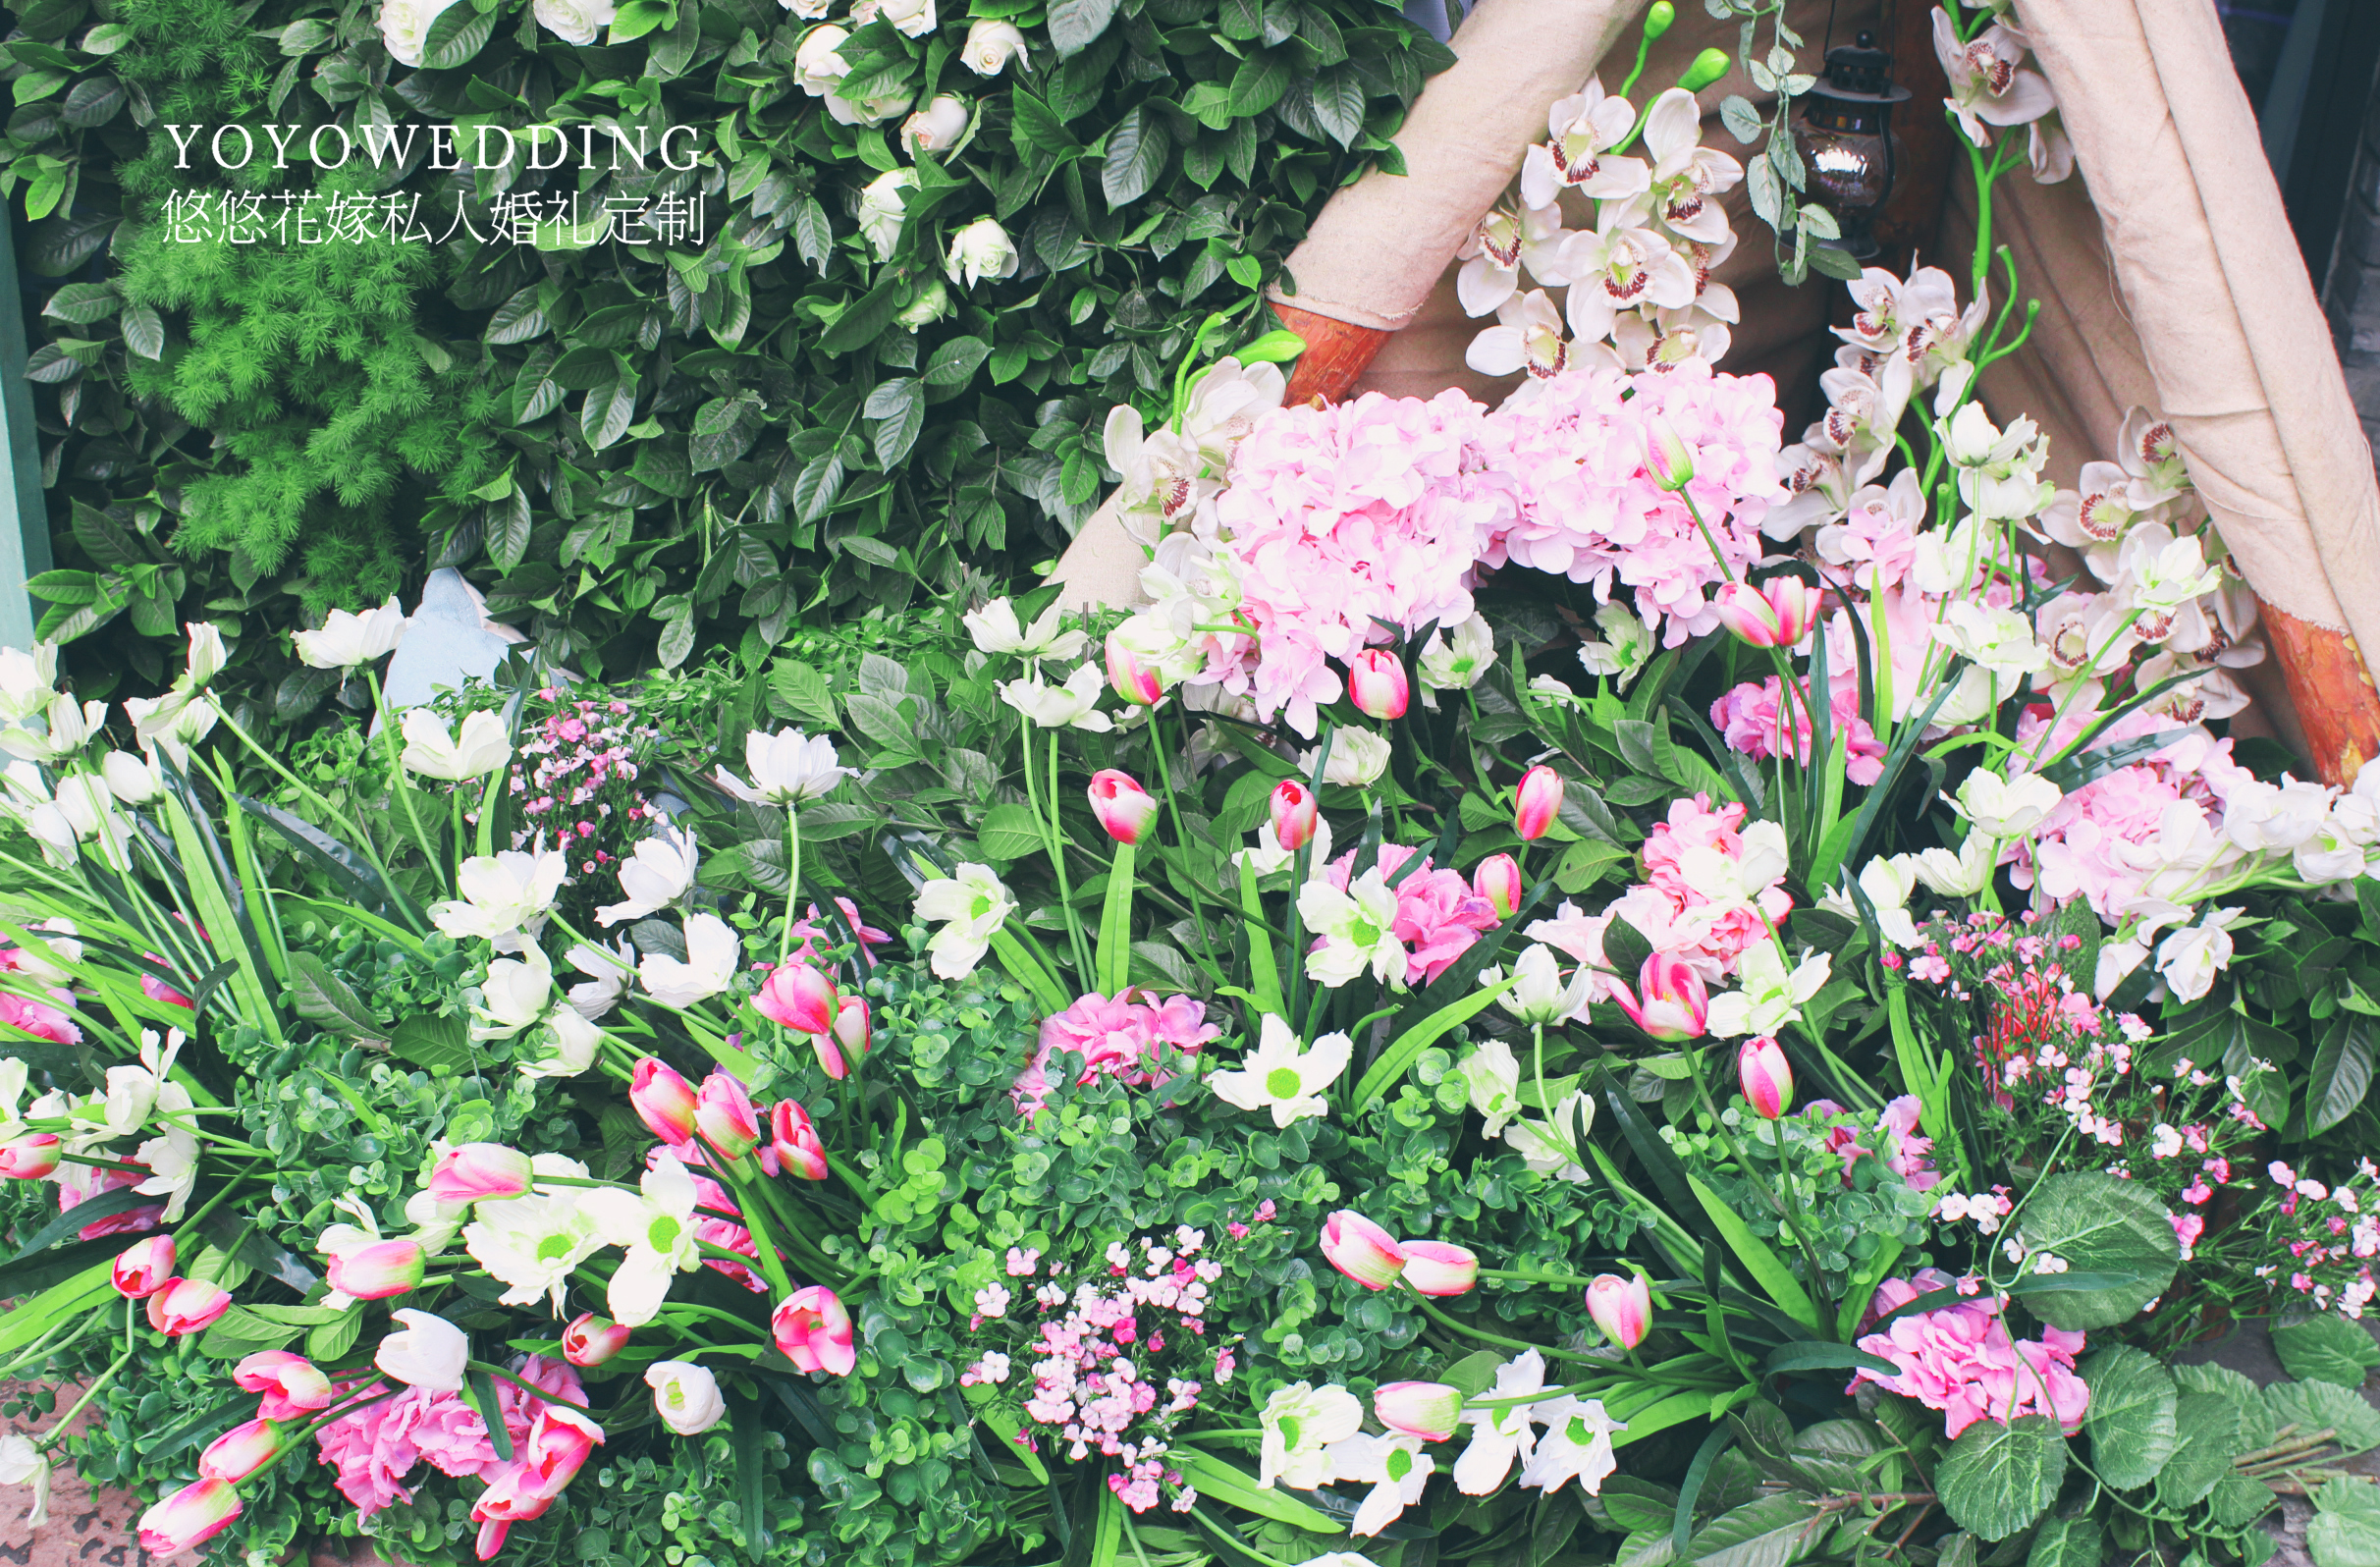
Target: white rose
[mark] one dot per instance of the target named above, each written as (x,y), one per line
(575,21)
(815,64)
(913,19)
(405,26)
(685,1396)
(937,127)
(981,249)
(2190,960)
(990,45)
(866,111)
(807,10)
(880,217)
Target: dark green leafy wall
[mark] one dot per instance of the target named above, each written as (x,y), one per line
(634,447)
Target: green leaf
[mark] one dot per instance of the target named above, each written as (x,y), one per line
(1259,82)
(335,1339)
(1236,1488)
(1997,1479)
(2311,1406)
(438,1045)
(820,483)
(1768,1533)
(1812,1354)
(2210,1427)
(2099,1224)
(2256,1424)
(2131,1422)
(1076,24)
(2068,1542)
(1137,149)
(456,36)
(2342,1073)
(2326,1349)
(1009,833)
(2238,1502)
(323,998)
(899,408)
(2346,1527)
(239,1333)
(1338,104)
(864,319)
(956,362)
(1767,1268)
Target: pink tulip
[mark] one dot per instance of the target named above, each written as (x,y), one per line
(1432,1411)
(1135,681)
(379,1271)
(1376,684)
(1768,1077)
(558,1447)
(1498,881)
(241,1451)
(1294,813)
(1537,802)
(814,1331)
(143,1267)
(1124,809)
(1435,1267)
(491,1538)
(480,1172)
(32,1157)
(724,1114)
(798,995)
(1778,612)
(157,990)
(191,1516)
(1362,1249)
(1622,1307)
(292,1384)
(186,1305)
(796,1142)
(590,1341)
(854,1026)
(37,1018)
(1669,1002)
(662,1100)
(1668,459)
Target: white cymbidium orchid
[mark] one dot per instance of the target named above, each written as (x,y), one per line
(1988,84)
(1527,335)
(1503,242)
(1686,175)
(1164,477)
(1576,155)
(1616,266)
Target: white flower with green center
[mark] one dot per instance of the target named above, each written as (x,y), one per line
(1577,1442)
(530,1243)
(1493,1075)
(658,1230)
(1626,644)
(1280,1077)
(1393,1466)
(971,908)
(1300,1423)
(1502,1431)
(1769,998)
(1454,660)
(1358,927)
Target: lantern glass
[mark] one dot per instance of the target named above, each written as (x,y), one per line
(1843,129)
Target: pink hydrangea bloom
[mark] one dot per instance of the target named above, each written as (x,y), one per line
(1747,720)
(1962,1361)
(1132,1038)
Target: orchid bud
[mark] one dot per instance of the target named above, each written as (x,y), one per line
(1134,680)
(1124,809)
(799,995)
(144,1268)
(1658,18)
(724,1114)
(1437,1268)
(796,1142)
(32,1157)
(1432,1411)
(1537,802)
(1669,1002)
(664,1101)
(1778,612)
(1768,1077)
(378,1270)
(1498,881)
(1294,813)
(590,1341)
(186,1305)
(191,1516)
(814,1331)
(481,1172)
(1622,1307)
(1375,681)
(1362,1249)
(1666,455)
(241,1451)
(1707,67)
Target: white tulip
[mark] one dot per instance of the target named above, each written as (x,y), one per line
(476,749)
(2000,640)
(685,1396)
(2190,960)
(712,953)
(346,640)
(430,1352)
(21,1464)
(176,720)
(1539,995)
(574,1041)
(991,45)
(514,994)
(657,874)
(26,680)
(881,214)
(807,10)
(135,781)
(788,768)
(66,728)
(982,249)
(207,656)
(1057,707)
(971,905)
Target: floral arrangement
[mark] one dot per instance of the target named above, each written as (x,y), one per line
(1764,1061)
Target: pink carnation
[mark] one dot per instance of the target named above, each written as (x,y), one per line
(1438,912)
(1960,1360)
(375,1447)
(1132,1038)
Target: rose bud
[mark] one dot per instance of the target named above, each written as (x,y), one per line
(241,1451)
(1123,808)
(186,1305)
(1537,802)
(1376,684)
(378,1270)
(1498,881)
(479,1171)
(798,995)
(1294,813)
(662,1100)
(590,1341)
(796,1142)
(1435,1267)
(1431,1411)
(191,1516)
(1362,1249)
(1622,1307)
(724,1114)
(292,1385)
(32,1157)
(814,1331)
(1673,1003)
(143,1267)
(1768,1077)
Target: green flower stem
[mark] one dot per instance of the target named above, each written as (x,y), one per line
(387,734)
(58,1428)
(1065,888)
(1571,1280)
(1164,778)
(1236,1431)
(764,1237)
(1238,1547)
(362,839)
(1442,1320)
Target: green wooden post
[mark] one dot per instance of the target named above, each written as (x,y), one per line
(24,541)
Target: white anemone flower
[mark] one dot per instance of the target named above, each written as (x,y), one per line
(1280,1077)
(971,905)
(657,1229)
(709,966)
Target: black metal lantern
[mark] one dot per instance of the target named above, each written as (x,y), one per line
(1844,131)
